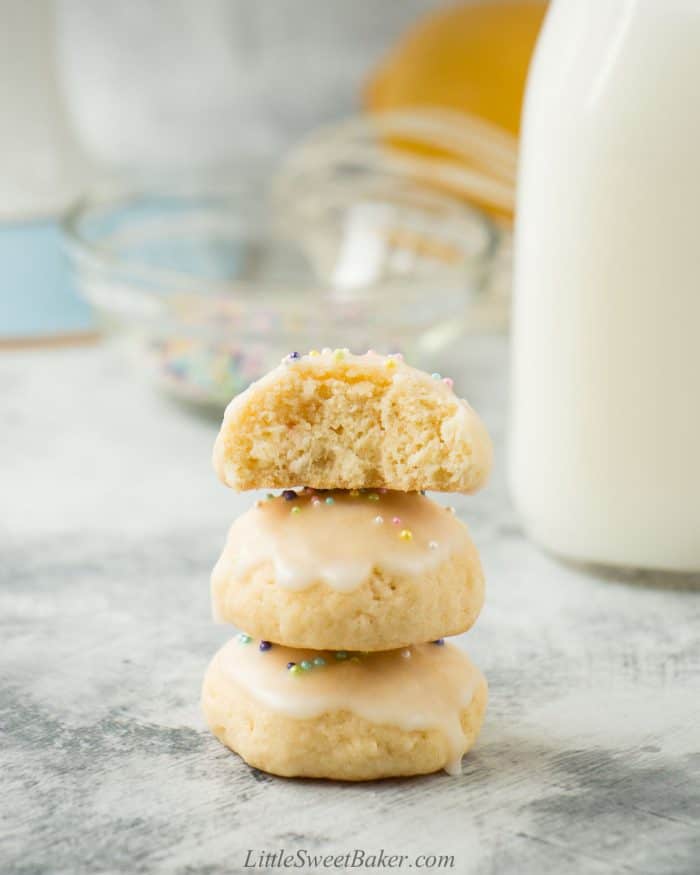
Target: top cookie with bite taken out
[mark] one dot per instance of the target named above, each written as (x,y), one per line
(333,420)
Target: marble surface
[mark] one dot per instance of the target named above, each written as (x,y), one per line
(110,522)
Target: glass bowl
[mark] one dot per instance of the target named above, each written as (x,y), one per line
(210,287)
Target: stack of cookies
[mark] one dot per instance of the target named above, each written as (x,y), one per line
(347,581)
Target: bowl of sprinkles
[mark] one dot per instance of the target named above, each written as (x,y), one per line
(207,288)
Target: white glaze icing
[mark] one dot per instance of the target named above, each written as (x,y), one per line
(309,540)
(425,686)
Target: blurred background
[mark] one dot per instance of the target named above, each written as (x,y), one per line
(208,185)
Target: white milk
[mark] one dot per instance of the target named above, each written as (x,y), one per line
(605,444)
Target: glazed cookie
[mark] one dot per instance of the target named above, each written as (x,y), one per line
(333,420)
(359,570)
(345,716)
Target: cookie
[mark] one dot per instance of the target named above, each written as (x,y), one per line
(360,570)
(341,715)
(333,420)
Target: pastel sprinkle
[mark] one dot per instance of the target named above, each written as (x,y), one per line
(432,545)
(383,490)
(354,493)
(339,354)
(244,639)
(330,500)
(265,645)
(319,661)
(295,510)
(396,355)
(373,496)
(448,381)
(306,665)
(295,669)
(406,653)
(390,364)
(289,495)
(341,654)
(396,520)
(440,642)
(378,520)
(294,355)
(326,350)
(270,496)
(354,659)
(436,376)
(314,352)
(291,665)
(315,501)
(370,352)
(406,535)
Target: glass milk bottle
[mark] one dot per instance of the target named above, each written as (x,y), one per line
(605,430)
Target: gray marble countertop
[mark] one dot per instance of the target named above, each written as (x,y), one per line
(110,521)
